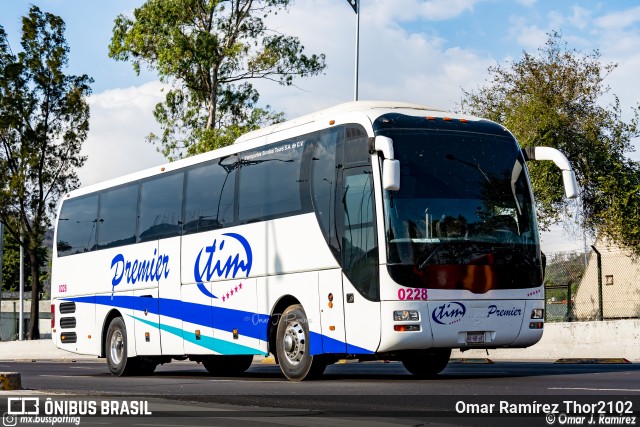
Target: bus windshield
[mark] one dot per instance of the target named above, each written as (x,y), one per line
(463,217)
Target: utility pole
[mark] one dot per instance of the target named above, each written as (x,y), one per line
(1,258)
(21,291)
(355,5)
(1,254)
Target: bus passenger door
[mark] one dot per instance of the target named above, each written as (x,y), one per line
(356,223)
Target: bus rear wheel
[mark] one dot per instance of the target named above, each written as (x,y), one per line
(116,350)
(427,363)
(222,366)
(293,346)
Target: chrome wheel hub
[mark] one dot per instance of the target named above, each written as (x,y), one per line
(116,347)
(294,343)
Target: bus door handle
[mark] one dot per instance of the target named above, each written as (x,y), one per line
(146,310)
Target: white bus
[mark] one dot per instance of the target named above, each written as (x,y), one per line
(368,231)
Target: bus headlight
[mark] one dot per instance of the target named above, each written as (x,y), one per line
(537,313)
(404,315)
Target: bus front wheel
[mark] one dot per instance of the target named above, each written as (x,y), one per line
(116,350)
(293,346)
(427,363)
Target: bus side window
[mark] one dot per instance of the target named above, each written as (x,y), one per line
(209,195)
(356,148)
(269,183)
(118,210)
(160,207)
(323,185)
(77,226)
(360,248)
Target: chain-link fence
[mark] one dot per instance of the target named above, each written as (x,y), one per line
(603,285)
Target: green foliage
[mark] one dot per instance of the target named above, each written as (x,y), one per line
(565,268)
(553,99)
(44,118)
(11,265)
(208,51)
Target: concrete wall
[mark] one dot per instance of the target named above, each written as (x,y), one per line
(37,350)
(9,313)
(608,339)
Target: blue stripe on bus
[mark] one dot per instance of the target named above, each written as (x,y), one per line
(252,325)
(215,344)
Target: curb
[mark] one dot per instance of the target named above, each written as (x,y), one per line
(596,361)
(473,361)
(268,361)
(10,381)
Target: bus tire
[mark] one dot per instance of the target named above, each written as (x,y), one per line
(116,350)
(427,363)
(224,366)
(293,346)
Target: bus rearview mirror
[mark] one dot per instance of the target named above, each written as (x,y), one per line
(557,157)
(391,175)
(390,166)
(570,184)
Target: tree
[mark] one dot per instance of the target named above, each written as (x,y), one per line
(11,265)
(554,98)
(44,118)
(209,51)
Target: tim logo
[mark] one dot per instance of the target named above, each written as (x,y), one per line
(449,313)
(224,258)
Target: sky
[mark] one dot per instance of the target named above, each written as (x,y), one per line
(420,51)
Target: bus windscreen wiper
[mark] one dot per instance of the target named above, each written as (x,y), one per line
(471,250)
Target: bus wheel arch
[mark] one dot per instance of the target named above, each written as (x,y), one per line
(105,327)
(115,348)
(281,305)
(293,346)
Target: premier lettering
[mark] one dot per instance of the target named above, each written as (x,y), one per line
(139,271)
(493,310)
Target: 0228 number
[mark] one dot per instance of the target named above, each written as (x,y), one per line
(413,294)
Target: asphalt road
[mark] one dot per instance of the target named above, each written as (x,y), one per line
(374,394)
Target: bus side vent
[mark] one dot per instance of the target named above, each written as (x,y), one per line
(67,322)
(67,307)
(68,337)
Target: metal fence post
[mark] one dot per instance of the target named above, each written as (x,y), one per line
(569,316)
(599,264)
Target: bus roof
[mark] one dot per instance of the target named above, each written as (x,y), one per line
(364,107)
(370,109)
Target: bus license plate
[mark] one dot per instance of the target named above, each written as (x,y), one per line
(475,337)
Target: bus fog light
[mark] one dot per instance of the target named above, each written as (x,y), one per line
(537,313)
(404,315)
(406,328)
